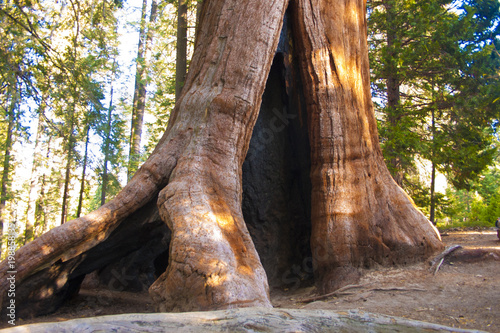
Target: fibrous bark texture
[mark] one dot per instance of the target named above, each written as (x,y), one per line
(213,263)
(49,269)
(314,168)
(360,217)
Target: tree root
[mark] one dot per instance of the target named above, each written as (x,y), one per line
(333,293)
(341,292)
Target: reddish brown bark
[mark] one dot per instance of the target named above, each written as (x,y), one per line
(360,217)
(181,49)
(75,237)
(213,263)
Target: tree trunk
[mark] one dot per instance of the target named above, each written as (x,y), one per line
(139,102)
(199,5)
(41,216)
(136,123)
(70,146)
(84,172)
(359,216)
(432,209)
(35,179)
(104,182)
(181,50)
(213,263)
(393,85)
(9,140)
(433,169)
(107,139)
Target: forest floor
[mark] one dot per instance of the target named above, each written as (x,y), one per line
(463,294)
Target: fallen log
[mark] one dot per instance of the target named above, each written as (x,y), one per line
(240,320)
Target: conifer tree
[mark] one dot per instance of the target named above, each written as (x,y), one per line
(434,69)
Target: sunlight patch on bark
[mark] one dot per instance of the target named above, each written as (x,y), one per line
(47,292)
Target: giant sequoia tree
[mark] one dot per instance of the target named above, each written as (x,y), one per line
(357,216)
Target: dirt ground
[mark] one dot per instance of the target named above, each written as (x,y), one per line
(461,294)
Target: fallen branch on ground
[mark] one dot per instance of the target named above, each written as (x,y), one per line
(438,266)
(438,260)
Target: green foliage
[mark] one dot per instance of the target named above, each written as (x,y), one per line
(162,72)
(479,206)
(56,59)
(55,56)
(468,209)
(435,70)
(435,73)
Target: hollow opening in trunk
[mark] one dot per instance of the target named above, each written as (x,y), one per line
(276,183)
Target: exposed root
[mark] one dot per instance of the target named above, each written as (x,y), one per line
(333,293)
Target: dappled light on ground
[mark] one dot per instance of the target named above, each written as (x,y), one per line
(469,239)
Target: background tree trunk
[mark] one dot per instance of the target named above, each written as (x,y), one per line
(181,50)
(35,179)
(70,146)
(9,141)
(84,172)
(393,85)
(104,177)
(432,208)
(41,214)
(141,78)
